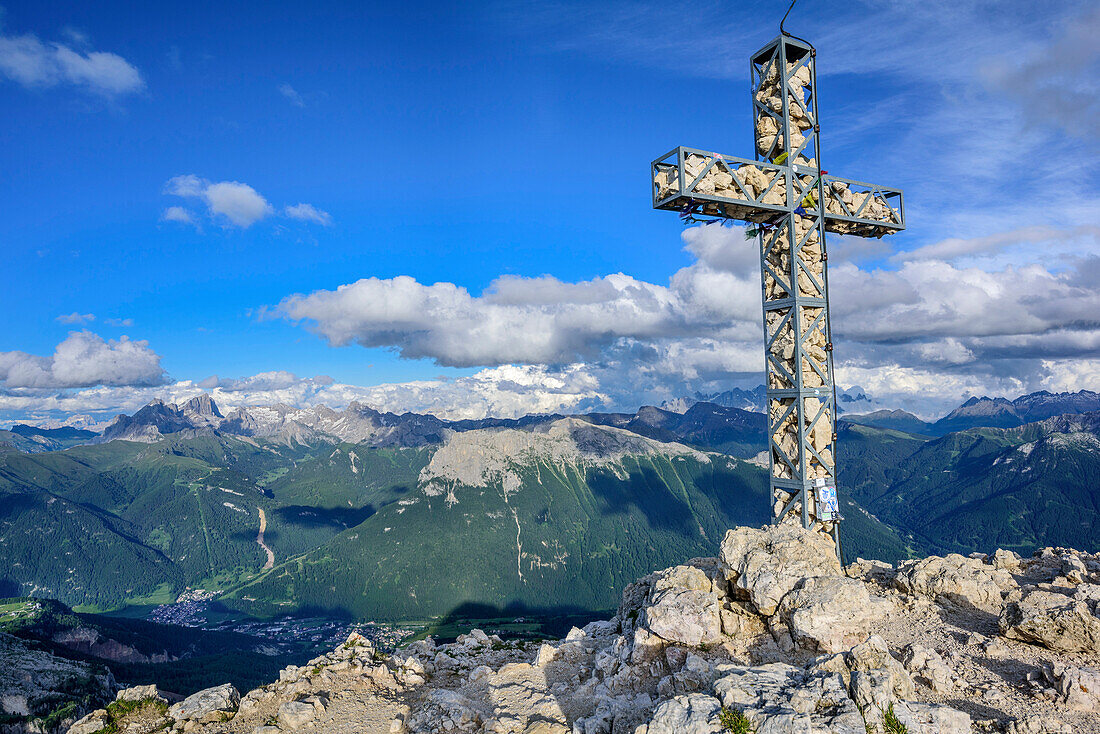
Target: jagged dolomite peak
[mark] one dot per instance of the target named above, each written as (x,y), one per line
(479,458)
(760,632)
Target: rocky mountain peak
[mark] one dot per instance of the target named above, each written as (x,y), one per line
(201,406)
(478,458)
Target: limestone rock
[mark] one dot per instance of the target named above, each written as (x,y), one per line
(955,579)
(870,571)
(1073,569)
(927,667)
(877,679)
(926,718)
(1079,688)
(1038,724)
(212,704)
(1006,560)
(694,713)
(295,714)
(828,613)
(1052,620)
(520,698)
(444,710)
(91,723)
(683,608)
(766,564)
(740,622)
(140,693)
(780,698)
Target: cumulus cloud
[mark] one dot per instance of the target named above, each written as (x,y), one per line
(237,202)
(541,320)
(33,63)
(308,213)
(509,392)
(940,311)
(292,95)
(263,382)
(119,322)
(177,214)
(231,203)
(76,318)
(84,359)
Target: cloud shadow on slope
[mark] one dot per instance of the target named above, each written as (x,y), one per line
(644,491)
(324,517)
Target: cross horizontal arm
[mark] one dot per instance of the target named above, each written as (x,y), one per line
(727,187)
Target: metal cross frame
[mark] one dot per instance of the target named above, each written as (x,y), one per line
(784,192)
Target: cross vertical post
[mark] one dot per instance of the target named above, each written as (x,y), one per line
(792,203)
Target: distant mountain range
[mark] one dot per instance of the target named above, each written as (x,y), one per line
(986,412)
(731,430)
(393,516)
(359,423)
(752,400)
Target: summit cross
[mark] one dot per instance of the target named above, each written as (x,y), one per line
(780,193)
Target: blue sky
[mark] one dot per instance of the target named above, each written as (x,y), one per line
(203,178)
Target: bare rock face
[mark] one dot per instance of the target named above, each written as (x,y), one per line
(956,580)
(924,718)
(295,714)
(1078,688)
(140,693)
(928,668)
(780,697)
(212,704)
(1054,621)
(694,713)
(682,607)
(91,723)
(521,698)
(1006,560)
(1038,724)
(446,710)
(765,564)
(828,613)
(877,680)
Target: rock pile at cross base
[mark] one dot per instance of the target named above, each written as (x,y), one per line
(773,636)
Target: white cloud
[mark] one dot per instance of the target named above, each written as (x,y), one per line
(237,202)
(118,322)
(177,214)
(231,202)
(292,94)
(643,342)
(309,213)
(82,360)
(75,318)
(509,391)
(186,185)
(928,393)
(30,62)
(544,320)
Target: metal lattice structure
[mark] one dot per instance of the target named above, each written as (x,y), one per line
(792,203)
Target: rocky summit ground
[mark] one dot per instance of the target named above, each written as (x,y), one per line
(772,636)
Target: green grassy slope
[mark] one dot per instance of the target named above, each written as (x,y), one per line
(996,488)
(568,537)
(354,531)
